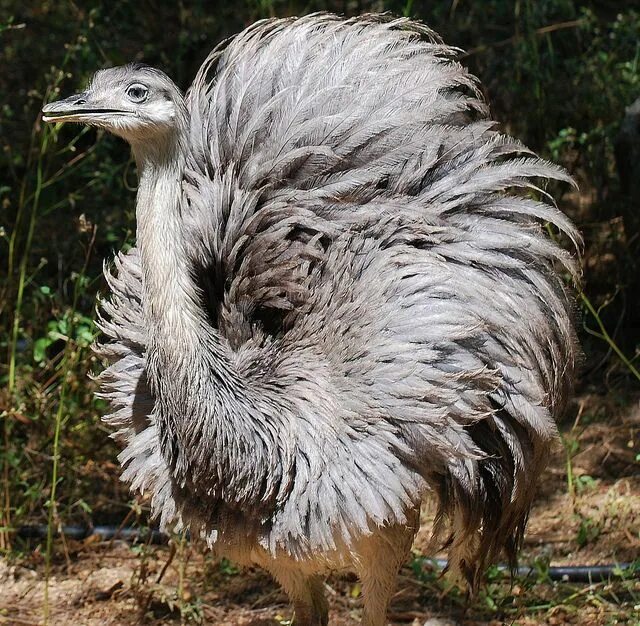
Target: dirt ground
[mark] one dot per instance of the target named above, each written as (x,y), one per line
(594,518)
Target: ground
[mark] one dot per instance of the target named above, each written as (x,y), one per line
(587,512)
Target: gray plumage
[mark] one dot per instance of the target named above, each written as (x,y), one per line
(343,301)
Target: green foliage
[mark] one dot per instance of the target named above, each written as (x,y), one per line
(59,330)
(228,568)
(508,600)
(588,531)
(604,80)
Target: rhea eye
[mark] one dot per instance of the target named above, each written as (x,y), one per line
(137,92)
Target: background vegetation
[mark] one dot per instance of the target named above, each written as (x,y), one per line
(558,74)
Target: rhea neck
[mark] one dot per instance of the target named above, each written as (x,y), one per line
(182,346)
(201,402)
(170,298)
(176,325)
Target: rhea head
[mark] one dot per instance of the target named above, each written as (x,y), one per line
(136,102)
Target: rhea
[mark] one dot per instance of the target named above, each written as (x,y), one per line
(343,302)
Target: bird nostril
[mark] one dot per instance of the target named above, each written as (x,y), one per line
(80,101)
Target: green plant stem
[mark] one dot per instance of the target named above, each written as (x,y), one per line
(604,335)
(66,365)
(570,484)
(52,502)
(22,272)
(6,518)
(15,327)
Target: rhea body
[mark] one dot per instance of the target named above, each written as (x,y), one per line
(338,304)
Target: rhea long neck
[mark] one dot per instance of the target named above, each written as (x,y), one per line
(170,300)
(187,366)
(214,425)
(175,314)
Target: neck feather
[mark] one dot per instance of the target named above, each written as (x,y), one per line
(171,298)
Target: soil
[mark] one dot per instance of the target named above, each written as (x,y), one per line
(595,521)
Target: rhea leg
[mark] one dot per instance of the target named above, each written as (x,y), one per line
(306,594)
(380,557)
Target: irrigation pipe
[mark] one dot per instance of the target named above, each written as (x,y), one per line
(564,573)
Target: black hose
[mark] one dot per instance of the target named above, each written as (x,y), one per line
(135,535)
(569,573)
(564,573)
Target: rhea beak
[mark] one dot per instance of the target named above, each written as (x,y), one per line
(78,108)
